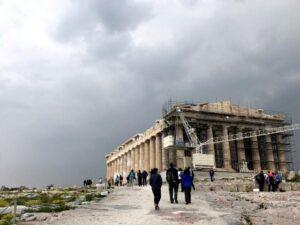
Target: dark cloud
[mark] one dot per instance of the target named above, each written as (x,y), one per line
(109,66)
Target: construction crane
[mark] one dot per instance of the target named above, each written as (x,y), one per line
(207,160)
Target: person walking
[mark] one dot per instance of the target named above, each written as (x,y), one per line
(131,177)
(156,183)
(144,178)
(140,178)
(172,179)
(121,180)
(212,174)
(180,173)
(187,183)
(260,179)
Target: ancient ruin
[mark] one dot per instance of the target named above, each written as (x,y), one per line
(166,141)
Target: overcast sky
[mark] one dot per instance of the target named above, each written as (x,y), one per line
(79,77)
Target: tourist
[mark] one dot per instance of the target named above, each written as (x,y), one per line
(117,180)
(278,179)
(156,183)
(260,179)
(100,180)
(172,179)
(211,175)
(192,175)
(187,183)
(180,173)
(271,179)
(131,177)
(144,177)
(121,180)
(140,178)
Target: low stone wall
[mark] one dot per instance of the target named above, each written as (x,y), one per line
(240,186)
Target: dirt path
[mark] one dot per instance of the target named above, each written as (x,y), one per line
(134,206)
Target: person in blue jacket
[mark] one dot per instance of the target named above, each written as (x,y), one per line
(187,184)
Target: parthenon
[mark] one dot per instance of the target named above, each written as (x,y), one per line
(166,141)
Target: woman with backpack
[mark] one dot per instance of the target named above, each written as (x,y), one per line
(187,183)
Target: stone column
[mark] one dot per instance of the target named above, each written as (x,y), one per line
(124,164)
(240,149)
(255,154)
(116,165)
(281,153)
(136,158)
(128,161)
(172,156)
(147,155)
(158,152)
(179,135)
(211,147)
(152,153)
(226,150)
(113,168)
(270,156)
(165,156)
(132,158)
(142,156)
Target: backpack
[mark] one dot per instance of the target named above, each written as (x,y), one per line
(171,177)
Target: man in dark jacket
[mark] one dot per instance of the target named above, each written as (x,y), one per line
(172,179)
(144,177)
(156,183)
(260,179)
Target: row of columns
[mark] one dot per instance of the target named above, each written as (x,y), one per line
(150,154)
(145,156)
(255,151)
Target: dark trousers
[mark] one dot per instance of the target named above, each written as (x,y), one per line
(261,186)
(140,181)
(173,190)
(144,181)
(187,195)
(157,195)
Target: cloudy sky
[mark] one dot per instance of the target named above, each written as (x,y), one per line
(79,77)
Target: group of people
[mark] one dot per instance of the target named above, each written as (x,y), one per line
(270,179)
(141,177)
(174,178)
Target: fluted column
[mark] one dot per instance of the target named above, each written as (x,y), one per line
(132,158)
(211,147)
(270,156)
(281,153)
(165,156)
(255,154)
(128,161)
(158,152)
(142,156)
(147,155)
(152,152)
(226,149)
(116,165)
(124,164)
(179,135)
(240,149)
(136,158)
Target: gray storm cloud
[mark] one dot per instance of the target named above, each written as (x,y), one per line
(78,78)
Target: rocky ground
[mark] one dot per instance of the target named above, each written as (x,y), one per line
(134,206)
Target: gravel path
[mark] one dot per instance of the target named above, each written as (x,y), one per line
(134,206)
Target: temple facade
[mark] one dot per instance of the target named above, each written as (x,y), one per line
(166,141)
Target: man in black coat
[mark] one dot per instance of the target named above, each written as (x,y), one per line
(156,183)
(173,181)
